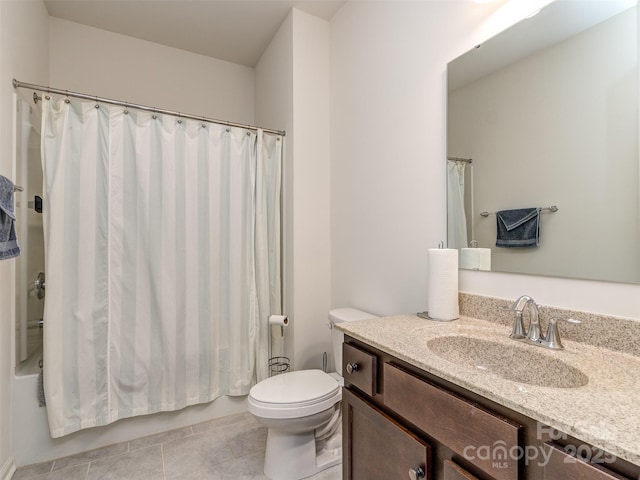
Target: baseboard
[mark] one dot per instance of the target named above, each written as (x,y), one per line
(8,469)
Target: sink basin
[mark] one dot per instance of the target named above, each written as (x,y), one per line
(511,362)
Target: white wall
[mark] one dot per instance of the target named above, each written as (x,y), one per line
(292,84)
(274,109)
(311,170)
(23,54)
(527,154)
(388,67)
(388,148)
(93,61)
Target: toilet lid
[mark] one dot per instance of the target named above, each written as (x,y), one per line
(303,387)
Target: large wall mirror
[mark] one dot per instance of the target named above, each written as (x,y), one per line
(545,114)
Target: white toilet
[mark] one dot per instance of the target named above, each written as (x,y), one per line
(301,409)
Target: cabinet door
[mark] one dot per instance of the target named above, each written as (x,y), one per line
(453,471)
(375,447)
(563,466)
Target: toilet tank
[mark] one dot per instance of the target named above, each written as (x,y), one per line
(340,315)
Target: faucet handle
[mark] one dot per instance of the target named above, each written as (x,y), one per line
(568,320)
(552,338)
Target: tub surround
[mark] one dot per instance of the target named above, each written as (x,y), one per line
(614,372)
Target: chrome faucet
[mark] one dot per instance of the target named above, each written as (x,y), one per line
(519,332)
(534,333)
(552,338)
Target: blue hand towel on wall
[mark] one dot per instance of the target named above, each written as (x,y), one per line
(518,228)
(8,243)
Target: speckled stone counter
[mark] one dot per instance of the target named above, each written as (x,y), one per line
(605,412)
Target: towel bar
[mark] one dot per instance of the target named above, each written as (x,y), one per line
(552,208)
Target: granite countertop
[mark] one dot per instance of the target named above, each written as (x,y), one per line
(604,412)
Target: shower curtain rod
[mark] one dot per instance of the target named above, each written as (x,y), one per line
(458,159)
(67,93)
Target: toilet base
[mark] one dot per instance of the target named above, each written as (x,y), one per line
(293,456)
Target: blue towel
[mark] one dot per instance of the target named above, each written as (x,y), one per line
(8,243)
(518,228)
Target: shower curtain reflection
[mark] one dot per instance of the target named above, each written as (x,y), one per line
(162,247)
(457,224)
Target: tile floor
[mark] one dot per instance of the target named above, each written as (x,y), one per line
(226,448)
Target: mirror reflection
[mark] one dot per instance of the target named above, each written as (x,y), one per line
(542,127)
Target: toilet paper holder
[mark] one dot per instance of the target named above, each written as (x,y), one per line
(278,363)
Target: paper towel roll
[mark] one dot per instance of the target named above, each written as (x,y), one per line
(475,258)
(279,320)
(442,296)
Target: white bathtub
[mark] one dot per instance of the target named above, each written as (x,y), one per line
(30,430)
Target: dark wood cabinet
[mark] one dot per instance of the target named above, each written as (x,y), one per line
(400,422)
(453,471)
(377,447)
(360,369)
(565,465)
(453,421)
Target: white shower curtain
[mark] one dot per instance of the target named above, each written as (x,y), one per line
(162,239)
(457,220)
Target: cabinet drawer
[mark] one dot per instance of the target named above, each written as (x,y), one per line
(377,447)
(479,436)
(359,368)
(453,471)
(564,466)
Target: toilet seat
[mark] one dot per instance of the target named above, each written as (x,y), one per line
(294,394)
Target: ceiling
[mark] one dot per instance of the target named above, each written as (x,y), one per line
(234,30)
(555,23)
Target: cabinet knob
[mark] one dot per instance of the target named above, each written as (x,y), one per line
(352,367)
(416,473)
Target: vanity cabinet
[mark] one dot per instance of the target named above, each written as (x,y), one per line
(401,422)
(361,368)
(452,471)
(564,465)
(382,448)
(453,421)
